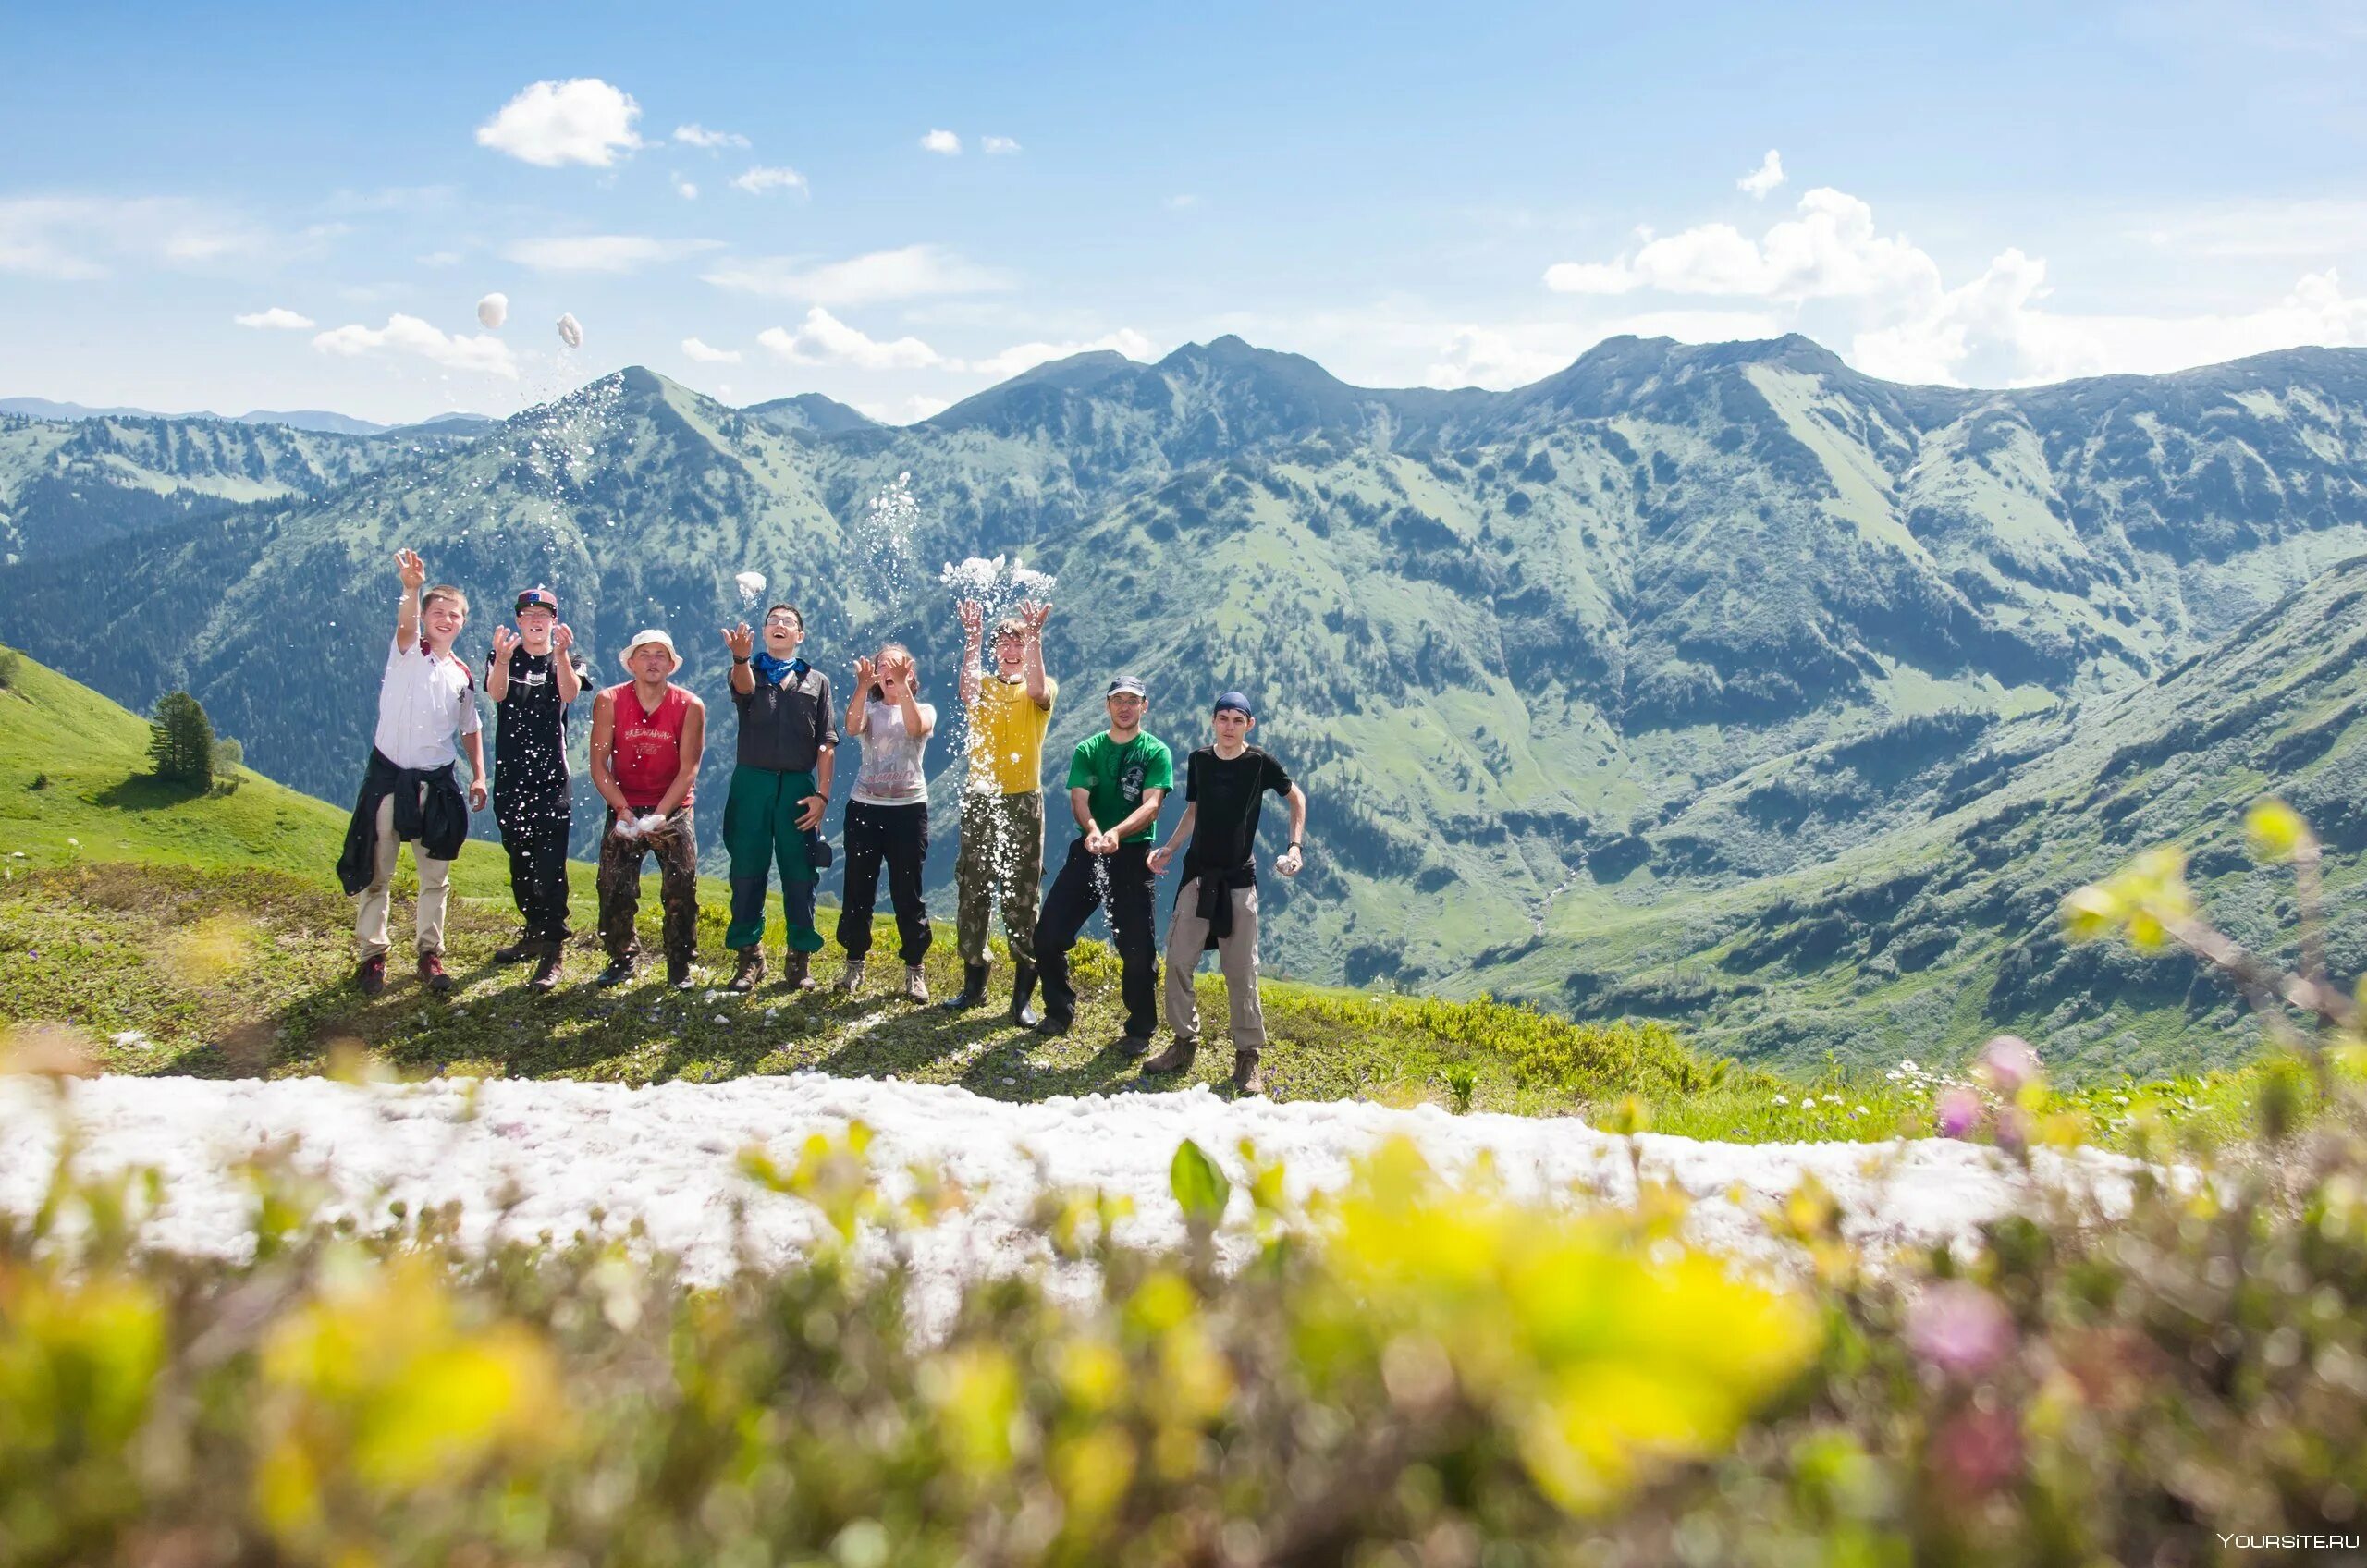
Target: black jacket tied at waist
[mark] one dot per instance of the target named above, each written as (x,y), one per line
(1215,902)
(436,818)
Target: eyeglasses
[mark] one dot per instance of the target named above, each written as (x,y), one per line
(781,620)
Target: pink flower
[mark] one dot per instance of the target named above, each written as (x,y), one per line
(2009,1063)
(1960,1112)
(1960,1329)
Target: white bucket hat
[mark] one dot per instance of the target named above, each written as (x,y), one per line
(641,640)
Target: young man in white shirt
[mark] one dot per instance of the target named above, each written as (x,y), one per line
(412,791)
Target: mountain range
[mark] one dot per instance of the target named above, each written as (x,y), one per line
(1604,688)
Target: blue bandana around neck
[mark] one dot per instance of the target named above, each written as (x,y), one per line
(771,669)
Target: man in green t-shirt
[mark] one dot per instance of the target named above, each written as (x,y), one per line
(1116,780)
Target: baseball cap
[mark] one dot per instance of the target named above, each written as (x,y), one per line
(1235,700)
(1128,683)
(537,598)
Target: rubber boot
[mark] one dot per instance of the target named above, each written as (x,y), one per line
(1023,986)
(973,988)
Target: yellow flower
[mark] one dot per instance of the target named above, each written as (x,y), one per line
(2274,832)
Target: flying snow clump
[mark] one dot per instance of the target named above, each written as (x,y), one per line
(492,310)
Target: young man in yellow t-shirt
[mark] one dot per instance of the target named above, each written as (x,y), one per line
(1010,707)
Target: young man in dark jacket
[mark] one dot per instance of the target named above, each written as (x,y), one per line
(410,790)
(780,785)
(531,680)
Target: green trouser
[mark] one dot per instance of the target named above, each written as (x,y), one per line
(760,832)
(1001,861)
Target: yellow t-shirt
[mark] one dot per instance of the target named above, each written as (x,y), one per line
(1007,735)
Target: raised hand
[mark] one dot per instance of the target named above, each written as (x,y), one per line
(505,641)
(739,639)
(564,637)
(974,619)
(1033,613)
(865,675)
(410,569)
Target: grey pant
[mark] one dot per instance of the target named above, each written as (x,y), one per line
(1187,934)
(435,888)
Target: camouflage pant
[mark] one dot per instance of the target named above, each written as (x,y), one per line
(1001,861)
(678,886)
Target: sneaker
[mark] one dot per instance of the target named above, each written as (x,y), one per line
(371,978)
(678,974)
(915,983)
(619,970)
(850,983)
(751,969)
(431,974)
(1246,1079)
(797,969)
(522,950)
(1176,1057)
(1133,1045)
(546,964)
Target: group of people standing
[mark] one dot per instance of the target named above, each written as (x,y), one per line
(649,736)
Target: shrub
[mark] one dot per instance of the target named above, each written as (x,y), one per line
(12,668)
(180,741)
(228,757)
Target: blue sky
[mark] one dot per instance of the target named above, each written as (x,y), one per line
(1409,195)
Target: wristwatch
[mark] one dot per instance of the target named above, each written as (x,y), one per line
(737,659)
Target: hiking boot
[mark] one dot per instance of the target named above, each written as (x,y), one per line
(850,983)
(973,988)
(1023,986)
(522,950)
(1133,1045)
(546,964)
(1176,1057)
(1246,1079)
(1051,1025)
(797,969)
(371,976)
(678,974)
(431,974)
(915,983)
(751,969)
(619,970)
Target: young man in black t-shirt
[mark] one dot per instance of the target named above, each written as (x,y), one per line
(532,678)
(1224,786)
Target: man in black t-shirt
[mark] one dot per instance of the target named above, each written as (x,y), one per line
(531,678)
(1224,786)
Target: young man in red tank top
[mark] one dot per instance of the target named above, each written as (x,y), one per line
(647,737)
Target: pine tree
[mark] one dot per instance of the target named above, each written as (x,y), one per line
(180,741)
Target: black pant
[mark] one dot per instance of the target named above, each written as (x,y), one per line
(897,835)
(534,821)
(1086,882)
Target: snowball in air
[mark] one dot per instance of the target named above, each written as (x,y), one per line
(570,331)
(751,585)
(492,310)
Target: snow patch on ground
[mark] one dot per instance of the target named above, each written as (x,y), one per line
(556,1152)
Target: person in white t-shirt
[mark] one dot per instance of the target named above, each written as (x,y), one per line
(427,715)
(887,817)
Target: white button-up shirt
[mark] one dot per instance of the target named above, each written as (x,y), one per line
(425,703)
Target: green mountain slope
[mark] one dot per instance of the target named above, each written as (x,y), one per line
(1566,669)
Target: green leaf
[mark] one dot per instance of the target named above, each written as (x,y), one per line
(1198,1185)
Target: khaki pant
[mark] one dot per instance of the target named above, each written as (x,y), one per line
(1187,934)
(1002,861)
(434,891)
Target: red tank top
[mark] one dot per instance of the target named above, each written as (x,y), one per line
(648,745)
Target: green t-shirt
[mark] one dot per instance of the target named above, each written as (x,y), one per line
(1118,776)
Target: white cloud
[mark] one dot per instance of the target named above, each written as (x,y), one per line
(685,189)
(1028,356)
(904,274)
(696,135)
(74,238)
(759,179)
(555,123)
(601,252)
(409,335)
(943,142)
(907,410)
(1178,203)
(440,258)
(997,146)
(278,318)
(1829,271)
(1764,178)
(706,354)
(823,339)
